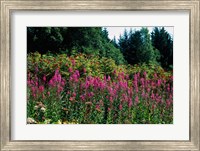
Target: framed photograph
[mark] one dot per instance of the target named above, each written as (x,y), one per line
(99,75)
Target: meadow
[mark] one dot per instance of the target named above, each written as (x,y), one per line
(88,89)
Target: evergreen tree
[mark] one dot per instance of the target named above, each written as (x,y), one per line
(124,44)
(114,41)
(163,42)
(44,39)
(137,48)
(73,40)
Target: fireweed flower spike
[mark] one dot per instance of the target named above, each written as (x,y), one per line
(99,95)
(136,100)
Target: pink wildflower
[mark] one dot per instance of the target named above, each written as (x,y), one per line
(136,100)
(120,107)
(44,78)
(130,103)
(74,94)
(41,88)
(70,70)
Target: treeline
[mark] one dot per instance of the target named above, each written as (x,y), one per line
(132,47)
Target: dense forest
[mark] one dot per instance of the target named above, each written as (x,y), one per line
(133,47)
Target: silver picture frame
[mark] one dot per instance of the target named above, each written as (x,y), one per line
(7,6)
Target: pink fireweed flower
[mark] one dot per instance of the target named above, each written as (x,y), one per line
(36,83)
(136,100)
(60,89)
(56,72)
(41,88)
(143,94)
(74,94)
(110,90)
(104,78)
(168,88)
(127,77)
(148,89)
(130,91)
(122,74)
(97,106)
(158,99)
(34,95)
(70,70)
(58,78)
(32,82)
(44,78)
(75,76)
(90,94)
(77,73)
(71,98)
(63,83)
(51,83)
(135,77)
(82,97)
(124,97)
(130,103)
(159,82)
(29,83)
(29,75)
(138,74)
(87,85)
(146,83)
(96,82)
(135,83)
(36,78)
(108,78)
(146,95)
(73,62)
(120,107)
(152,96)
(153,84)
(48,93)
(123,85)
(111,99)
(33,89)
(145,74)
(142,82)
(168,103)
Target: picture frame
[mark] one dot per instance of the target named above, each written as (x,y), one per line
(7,6)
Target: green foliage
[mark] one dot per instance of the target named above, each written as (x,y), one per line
(162,41)
(72,41)
(93,90)
(45,39)
(137,48)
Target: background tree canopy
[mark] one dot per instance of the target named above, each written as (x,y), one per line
(132,47)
